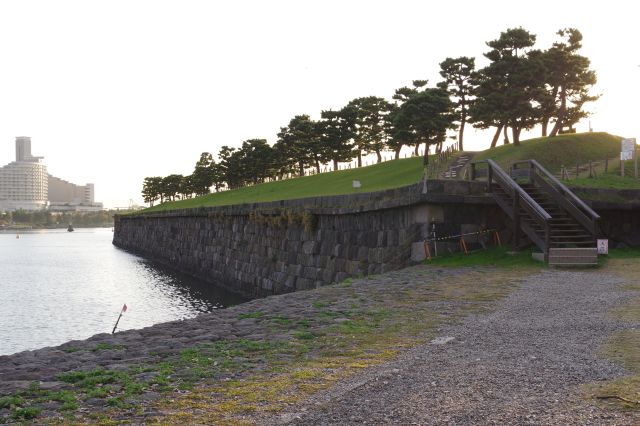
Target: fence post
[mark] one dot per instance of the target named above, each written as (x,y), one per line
(489,176)
(516,221)
(621,168)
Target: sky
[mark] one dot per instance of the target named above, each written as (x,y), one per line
(113,91)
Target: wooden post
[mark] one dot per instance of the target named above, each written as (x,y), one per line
(590,169)
(577,170)
(516,221)
(489,177)
(635,163)
(621,168)
(531,172)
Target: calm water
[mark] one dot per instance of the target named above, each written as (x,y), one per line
(57,286)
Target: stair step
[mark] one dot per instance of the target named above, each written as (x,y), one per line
(573,256)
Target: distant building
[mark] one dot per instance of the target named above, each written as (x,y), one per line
(25,184)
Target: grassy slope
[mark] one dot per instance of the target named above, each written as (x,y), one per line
(391,174)
(562,150)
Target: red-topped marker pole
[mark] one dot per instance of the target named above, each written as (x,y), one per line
(122,311)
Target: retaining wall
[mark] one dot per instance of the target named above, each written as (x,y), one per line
(278,247)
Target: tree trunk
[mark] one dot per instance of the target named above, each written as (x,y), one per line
(463,120)
(359,159)
(301,168)
(416,151)
(516,135)
(506,135)
(379,156)
(317,166)
(561,113)
(496,136)
(335,164)
(397,156)
(547,117)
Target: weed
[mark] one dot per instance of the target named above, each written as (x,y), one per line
(11,401)
(251,315)
(304,335)
(26,413)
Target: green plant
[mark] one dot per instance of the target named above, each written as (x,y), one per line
(257,314)
(26,413)
(309,221)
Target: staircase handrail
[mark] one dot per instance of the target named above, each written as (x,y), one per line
(513,187)
(590,217)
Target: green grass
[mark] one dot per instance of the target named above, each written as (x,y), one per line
(555,152)
(611,179)
(497,256)
(628,253)
(552,153)
(391,174)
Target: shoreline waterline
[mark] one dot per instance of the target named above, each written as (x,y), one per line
(59,286)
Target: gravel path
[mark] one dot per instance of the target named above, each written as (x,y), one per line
(521,364)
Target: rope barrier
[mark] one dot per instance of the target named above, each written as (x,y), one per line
(449,237)
(461,242)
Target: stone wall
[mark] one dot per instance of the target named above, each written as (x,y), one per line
(278,247)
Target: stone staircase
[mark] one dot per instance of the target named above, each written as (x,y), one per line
(455,171)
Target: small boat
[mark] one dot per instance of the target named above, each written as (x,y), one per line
(70,228)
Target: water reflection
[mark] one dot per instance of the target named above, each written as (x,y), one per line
(57,286)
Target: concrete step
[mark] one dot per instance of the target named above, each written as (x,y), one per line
(573,256)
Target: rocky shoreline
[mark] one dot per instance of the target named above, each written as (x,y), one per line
(258,361)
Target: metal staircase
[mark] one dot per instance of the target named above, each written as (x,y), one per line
(562,226)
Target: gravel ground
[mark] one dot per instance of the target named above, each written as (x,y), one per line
(521,364)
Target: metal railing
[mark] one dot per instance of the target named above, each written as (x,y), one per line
(517,199)
(562,195)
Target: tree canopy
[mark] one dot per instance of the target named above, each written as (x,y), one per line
(520,88)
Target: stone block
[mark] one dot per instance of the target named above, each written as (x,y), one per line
(310,247)
(417,252)
(290,282)
(363,253)
(309,273)
(304,284)
(341,276)
(352,267)
(328,276)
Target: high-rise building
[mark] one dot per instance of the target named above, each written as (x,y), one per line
(26,185)
(24,182)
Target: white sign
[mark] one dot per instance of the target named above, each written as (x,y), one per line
(356,184)
(628,149)
(603,246)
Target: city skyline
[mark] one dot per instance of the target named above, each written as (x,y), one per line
(142,88)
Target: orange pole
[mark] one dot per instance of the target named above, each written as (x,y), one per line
(427,252)
(463,245)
